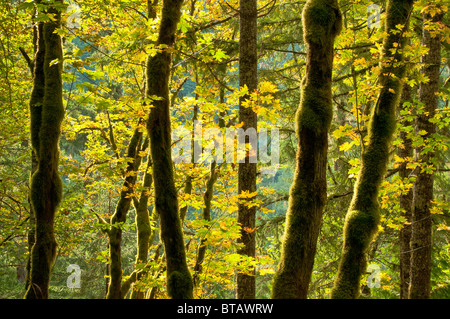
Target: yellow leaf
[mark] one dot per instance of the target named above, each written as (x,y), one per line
(249,230)
(267,87)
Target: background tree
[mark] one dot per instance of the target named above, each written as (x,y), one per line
(248,64)
(420,285)
(405,202)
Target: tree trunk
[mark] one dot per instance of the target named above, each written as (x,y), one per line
(248,61)
(423,188)
(144,233)
(143,227)
(405,203)
(207,198)
(362,218)
(179,279)
(119,217)
(46,184)
(321,24)
(36,100)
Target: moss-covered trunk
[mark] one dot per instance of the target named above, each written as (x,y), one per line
(248,62)
(36,100)
(362,218)
(423,188)
(207,198)
(47,113)
(143,224)
(308,193)
(119,217)
(144,233)
(179,279)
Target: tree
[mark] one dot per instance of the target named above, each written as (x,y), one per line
(363,215)
(114,230)
(107,223)
(405,202)
(248,63)
(308,194)
(47,113)
(179,279)
(420,286)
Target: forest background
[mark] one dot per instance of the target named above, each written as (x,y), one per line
(105,47)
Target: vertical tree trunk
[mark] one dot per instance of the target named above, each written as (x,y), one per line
(207,198)
(144,233)
(423,188)
(248,63)
(37,96)
(362,218)
(47,113)
(120,216)
(405,203)
(321,24)
(179,279)
(143,227)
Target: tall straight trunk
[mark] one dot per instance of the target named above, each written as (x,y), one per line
(423,188)
(405,201)
(47,113)
(362,218)
(321,24)
(179,279)
(248,63)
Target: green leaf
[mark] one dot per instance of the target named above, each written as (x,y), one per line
(220,55)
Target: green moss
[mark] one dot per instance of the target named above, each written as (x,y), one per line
(363,215)
(321,22)
(47,113)
(314,112)
(179,280)
(179,285)
(307,198)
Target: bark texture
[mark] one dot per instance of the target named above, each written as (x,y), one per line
(362,218)
(118,219)
(248,61)
(179,279)
(406,201)
(144,233)
(207,198)
(423,188)
(321,24)
(47,113)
